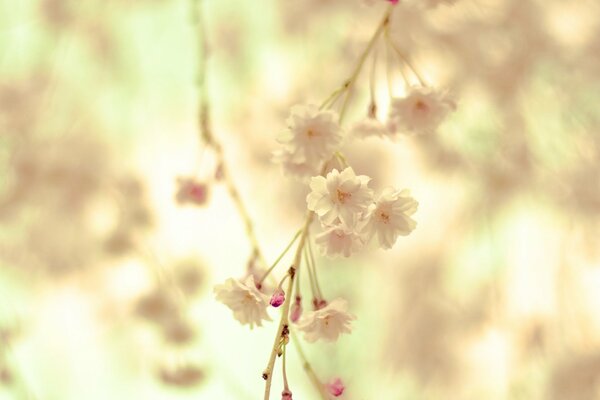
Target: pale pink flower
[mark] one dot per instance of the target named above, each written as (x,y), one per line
(327,323)
(190,190)
(311,138)
(421,111)
(339,240)
(435,3)
(335,387)
(286,395)
(370,127)
(390,217)
(294,164)
(340,196)
(248,304)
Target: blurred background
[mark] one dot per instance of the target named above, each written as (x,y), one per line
(106,275)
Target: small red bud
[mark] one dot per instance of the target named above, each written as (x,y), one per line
(278,298)
(296,310)
(335,387)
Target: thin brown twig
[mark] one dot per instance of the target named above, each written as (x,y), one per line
(309,369)
(207,135)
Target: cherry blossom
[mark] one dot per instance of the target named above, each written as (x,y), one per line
(339,240)
(435,3)
(342,196)
(327,323)
(421,111)
(390,217)
(311,138)
(369,127)
(248,304)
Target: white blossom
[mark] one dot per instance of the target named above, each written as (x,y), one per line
(327,323)
(421,111)
(311,138)
(339,240)
(248,304)
(390,217)
(370,127)
(435,3)
(294,164)
(341,196)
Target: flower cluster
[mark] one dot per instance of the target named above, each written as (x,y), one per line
(311,138)
(351,216)
(327,323)
(248,304)
(421,111)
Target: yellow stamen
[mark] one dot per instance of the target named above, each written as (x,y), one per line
(342,196)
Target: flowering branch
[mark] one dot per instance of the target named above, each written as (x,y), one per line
(349,215)
(309,370)
(283,332)
(207,135)
(348,85)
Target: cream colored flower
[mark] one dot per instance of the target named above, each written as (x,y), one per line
(435,3)
(421,111)
(249,306)
(339,240)
(328,323)
(294,164)
(390,217)
(370,127)
(311,138)
(340,196)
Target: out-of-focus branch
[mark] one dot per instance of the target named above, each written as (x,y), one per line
(205,128)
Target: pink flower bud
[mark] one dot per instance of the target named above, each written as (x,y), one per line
(393,1)
(191,191)
(319,303)
(278,298)
(296,310)
(286,395)
(335,387)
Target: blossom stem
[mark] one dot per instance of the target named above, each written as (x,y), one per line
(308,369)
(282,281)
(390,50)
(206,133)
(285,381)
(330,101)
(313,286)
(388,71)
(373,104)
(341,158)
(290,244)
(314,267)
(404,58)
(283,328)
(297,285)
(363,57)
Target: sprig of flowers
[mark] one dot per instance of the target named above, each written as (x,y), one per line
(349,213)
